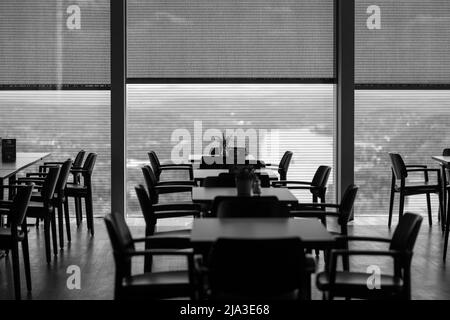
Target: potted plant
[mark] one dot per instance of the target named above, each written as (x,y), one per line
(244,180)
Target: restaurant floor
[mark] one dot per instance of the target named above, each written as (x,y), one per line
(430,276)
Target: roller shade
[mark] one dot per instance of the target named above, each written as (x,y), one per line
(54,42)
(402,42)
(216,39)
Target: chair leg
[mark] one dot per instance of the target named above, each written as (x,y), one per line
(26,260)
(401,206)
(67,218)
(442,209)
(53,233)
(447,227)
(80,209)
(90,212)
(16,270)
(61,225)
(37,223)
(430,222)
(77,211)
(47,239)
(391,206)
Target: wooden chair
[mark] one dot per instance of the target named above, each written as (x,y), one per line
(283,166)
(266,269)
(317,187)
(44,209)
(149,285)
(83,190)
(400,173)
(153,212)
(342,212)
(59,197)
(12,235)
(355,284)
(160,168)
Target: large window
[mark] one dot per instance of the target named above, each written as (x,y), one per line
(264,65)
(49,46)
(296,117)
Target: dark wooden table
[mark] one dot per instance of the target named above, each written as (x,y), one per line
(311,231)
(9,170)
(207,195)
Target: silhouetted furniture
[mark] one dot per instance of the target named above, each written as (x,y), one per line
(156,188)
(44,209)
(150,285)
(11,236)
(77,164)
(355,284)
(283,166)
(317,187)
(59,197)
(202,174)
(83,190)
(267,269)
(447,222)
(341,211)
(218,162)
(153,212)
(159,168)
(400,172)
(228,180)
(206,231)
(248,207)
(444,161)
(207,195)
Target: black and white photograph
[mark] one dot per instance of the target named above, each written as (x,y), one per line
(228,156)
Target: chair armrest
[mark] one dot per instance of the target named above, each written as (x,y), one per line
(358,238)
(78,170)
(164,252)
(423,170)
(164,242)
(35,180)
(52,163)
(177,182)
(316,204)
(11,186)
(36,174)
(173,189)
(416,166)
(181,166)
(344,252)
(312,214)
(291,182)
(177,206)
(176,213)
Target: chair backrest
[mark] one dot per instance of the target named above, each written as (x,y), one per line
(446,152)
(146,205)
(248,207)
(63,176)
(90,163)
(20,204)
(150,181)
(155,164)
(320,178)
(346,205)
(265,269)
(49,185)
(121,242)
(406,232)
(79,159)
(398,166)
(284,165)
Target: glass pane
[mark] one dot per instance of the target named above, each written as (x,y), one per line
(412,123)
(402,41)
(62,122)
(54,42)
(296,117)
(216,38)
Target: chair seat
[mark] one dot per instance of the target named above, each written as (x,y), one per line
(157,285)
(37,210)
(355,284)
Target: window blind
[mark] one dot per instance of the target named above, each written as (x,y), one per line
(402,42)
(50,42)
(230,39)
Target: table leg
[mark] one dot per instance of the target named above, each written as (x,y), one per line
(444,214)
